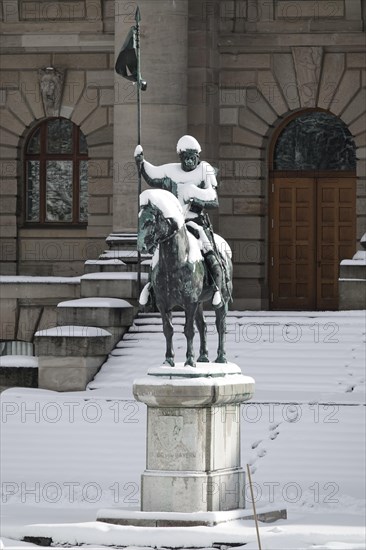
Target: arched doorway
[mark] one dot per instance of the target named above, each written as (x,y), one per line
(312,224)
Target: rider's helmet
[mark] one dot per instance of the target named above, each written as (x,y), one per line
(188,142)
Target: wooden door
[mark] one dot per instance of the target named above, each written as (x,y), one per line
(336,235)
(312,228)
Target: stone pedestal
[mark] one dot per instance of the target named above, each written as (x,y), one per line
(193,441)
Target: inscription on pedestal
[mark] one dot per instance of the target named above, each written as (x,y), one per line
(174,441)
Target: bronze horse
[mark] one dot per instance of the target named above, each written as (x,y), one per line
(179,276)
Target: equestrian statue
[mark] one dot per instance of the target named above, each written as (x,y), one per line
(190,264)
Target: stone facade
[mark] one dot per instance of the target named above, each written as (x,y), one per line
(227,72)
(76,38)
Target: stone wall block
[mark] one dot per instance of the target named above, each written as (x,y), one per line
(17,104)
(307,9)
(348,87)
(8,317)
(237,79)
(229,116)
(333,67)
(258,104)
(356,60)
(107,96)
(307,62)
(8,186)
(101,151)
(358,126)
(246,137)
(246,61)
(98,205)
(25,61)
(28,321)
(8,120)
(86,105)
(73,89)
(83,61)
(30,89)
(249,207)
(284,71)
(249,227)
(271,91)
(95,121)
(239,152)
(8,250)
(9,79)
(250,121)
(7,139)
(100,78)
(355,108)
(8,205)
(8,152)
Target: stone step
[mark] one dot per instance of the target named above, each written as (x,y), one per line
(73,341)
(353,269)
(127,241)
(98,266)
(129,257)
(112,285)
(96,312)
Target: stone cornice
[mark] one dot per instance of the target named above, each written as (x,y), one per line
(231,43)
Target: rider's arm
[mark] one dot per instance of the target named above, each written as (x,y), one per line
(203,198)
(155,176)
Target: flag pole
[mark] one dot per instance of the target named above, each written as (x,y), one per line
(137,20)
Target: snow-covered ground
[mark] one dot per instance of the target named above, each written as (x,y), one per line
(66,455)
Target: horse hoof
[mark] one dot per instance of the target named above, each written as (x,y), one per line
(169,363)
(190,363)
(221,359)
(203,359)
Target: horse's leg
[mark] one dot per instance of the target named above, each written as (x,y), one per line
(168,333)
(202,329)
(221,331)
(190,311)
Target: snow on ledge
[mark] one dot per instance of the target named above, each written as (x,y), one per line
(26,279)
(114,261)
(72,331)
(96,302)
(23,361)
(125,275)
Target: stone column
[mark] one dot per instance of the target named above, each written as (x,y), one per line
(164,105)
(193,438)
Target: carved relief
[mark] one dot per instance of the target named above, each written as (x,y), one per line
(308,66)
(51,84)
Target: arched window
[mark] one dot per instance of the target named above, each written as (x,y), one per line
(315,141)
(56,174)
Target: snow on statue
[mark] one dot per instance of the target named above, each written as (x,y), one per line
(194,183)
(190,264)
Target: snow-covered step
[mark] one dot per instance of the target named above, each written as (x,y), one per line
(96,312)
(73,340)
(112,285)
(96,266)
(305,357)
(69,356)
(122,240)
(113,314)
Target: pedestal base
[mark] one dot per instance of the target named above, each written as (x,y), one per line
(193,438)
(174,519)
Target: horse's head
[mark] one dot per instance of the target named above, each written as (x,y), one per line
(159,217)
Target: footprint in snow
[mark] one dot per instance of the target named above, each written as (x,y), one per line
(256,443)
(274,426)
(274,435)
(261,453)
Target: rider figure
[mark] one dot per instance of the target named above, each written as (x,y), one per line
(194,184)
